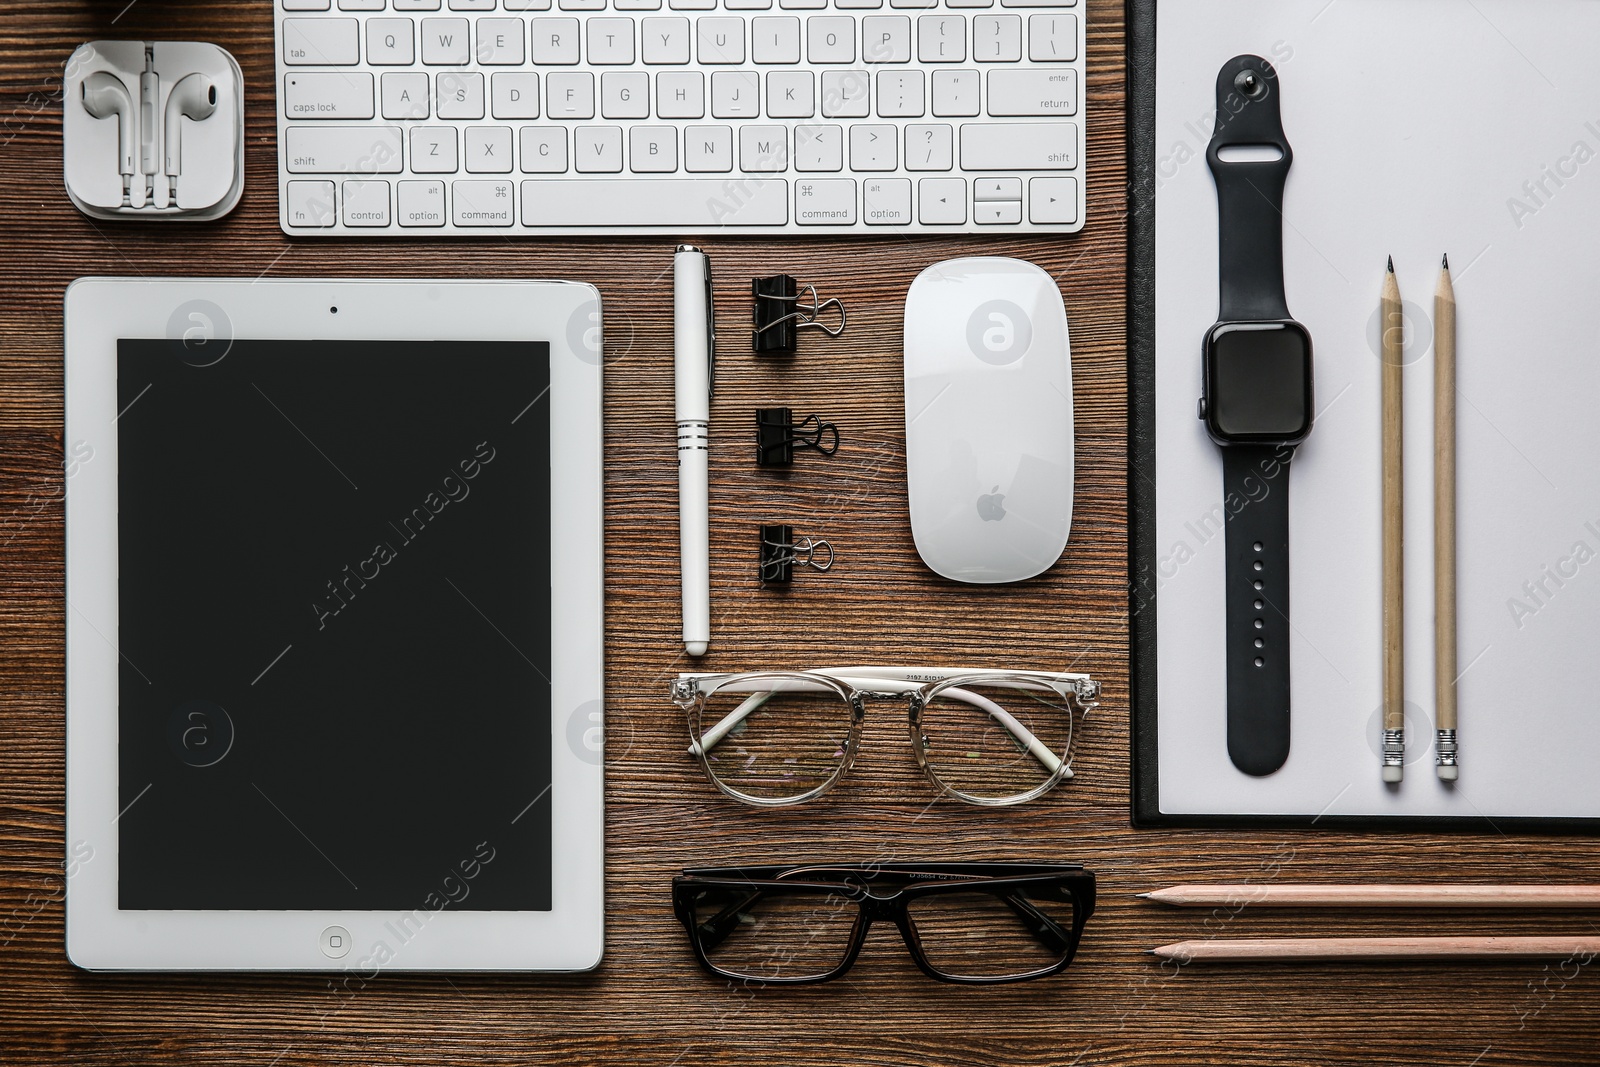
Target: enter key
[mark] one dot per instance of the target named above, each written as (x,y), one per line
(1033,91)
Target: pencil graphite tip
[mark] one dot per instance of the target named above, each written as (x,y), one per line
(1446,261)
(1391,264)
(1142,896)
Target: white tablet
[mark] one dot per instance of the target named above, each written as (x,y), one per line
(333,625)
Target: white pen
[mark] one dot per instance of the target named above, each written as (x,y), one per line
(693,357)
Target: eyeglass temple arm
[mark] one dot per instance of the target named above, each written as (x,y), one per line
(1047,930)
(716,929)
(1038,749)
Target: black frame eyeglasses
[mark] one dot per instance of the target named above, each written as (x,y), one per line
(968,923)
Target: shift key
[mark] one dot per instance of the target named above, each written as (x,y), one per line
(1019,146)
(342,149)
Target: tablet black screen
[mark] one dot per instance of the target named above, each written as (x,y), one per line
(334,596)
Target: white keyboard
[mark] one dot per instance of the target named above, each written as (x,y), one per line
(498,117)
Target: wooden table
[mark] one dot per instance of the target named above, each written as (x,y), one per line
(648,1004)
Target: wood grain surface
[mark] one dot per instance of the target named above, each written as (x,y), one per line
(648,1004)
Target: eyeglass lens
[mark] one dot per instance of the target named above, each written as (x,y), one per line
(1006,933)
(792,740)
(769,934)
(995,740)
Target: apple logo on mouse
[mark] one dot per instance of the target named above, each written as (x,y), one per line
(990,505)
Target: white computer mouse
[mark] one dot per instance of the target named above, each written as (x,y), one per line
(988,419)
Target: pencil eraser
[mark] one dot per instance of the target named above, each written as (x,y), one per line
(1447,774)
(1392,774)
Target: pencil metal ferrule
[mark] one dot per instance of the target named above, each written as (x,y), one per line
(1445,748)
(1394,748)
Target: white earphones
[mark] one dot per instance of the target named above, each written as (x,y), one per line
(194,97)
(104,97)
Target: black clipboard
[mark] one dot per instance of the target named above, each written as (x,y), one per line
(1143,732)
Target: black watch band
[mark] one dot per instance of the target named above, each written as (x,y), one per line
(1255,482)
(1255,476)
(1250,194)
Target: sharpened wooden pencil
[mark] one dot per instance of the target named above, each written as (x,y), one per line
(1241,950)
(1392,325)
(1444,525)
(1410,895)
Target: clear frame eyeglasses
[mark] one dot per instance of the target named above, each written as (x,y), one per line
(985,737)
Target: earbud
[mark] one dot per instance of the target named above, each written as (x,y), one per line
(194,97)
(104,97)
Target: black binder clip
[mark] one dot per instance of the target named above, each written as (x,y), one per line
(781,553)
(778,436)
(780,314)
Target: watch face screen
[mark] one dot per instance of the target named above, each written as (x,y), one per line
(1260,381)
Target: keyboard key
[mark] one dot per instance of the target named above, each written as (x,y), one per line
(1033,91)
(597,149)
(1038,3)
(941,38)
(800,5)
(421,203)
(327,96)
(636,5)
(708,149)
(471,5)
(555,42)
(747,5)
(405,96)
(858,5)
(735,94)
(653,149)
(968,3)
(844,93)
(569,95)
(526,5)
(818,147)
(928,147)
(886,39)
(955,92)
(483,203)
(900,94)
(831,39)
(309,204)
(942,201)
(501,42)
(825,201)
(720,40)
(791,94)
(433,150)
(775,40)
(997,212)
(692,5)
(913,3)
(459,94)
(1052,38)
(544,149)
(664,40)
(445,42)
(886,201)
(583,5)
(391,42)
(514,96)
(681,94)
(997,189)
(417,5)
(321,42)
(873,147)
(670,202)
(997,38)
(366,203)
(763,149)
(305,5)
(1019,146)
(610,41)
(342,149)
(488,149)
(1053,200)
(625,94)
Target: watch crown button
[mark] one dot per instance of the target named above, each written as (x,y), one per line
(1200,410)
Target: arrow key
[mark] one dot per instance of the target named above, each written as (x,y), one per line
(1053,201)
(942,201)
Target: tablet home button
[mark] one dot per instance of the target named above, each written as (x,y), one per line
(335,942)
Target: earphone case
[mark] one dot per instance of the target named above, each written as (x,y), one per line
(211,177)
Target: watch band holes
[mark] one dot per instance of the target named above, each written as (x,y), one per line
(1258,565)
(1260,662)
(1256,546)
(1260,604)
(1257,584)
(1260,643)
(1259,624)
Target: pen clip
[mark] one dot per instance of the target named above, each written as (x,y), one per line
(711,336)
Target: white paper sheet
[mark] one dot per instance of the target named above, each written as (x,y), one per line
(1419,127)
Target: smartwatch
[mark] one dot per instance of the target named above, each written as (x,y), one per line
(1256,403)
